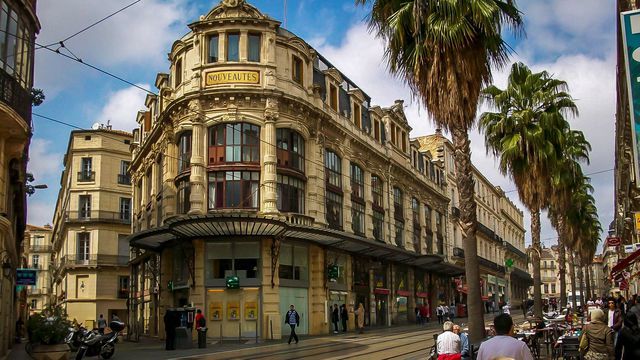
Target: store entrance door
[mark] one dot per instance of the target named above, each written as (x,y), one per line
(339,298)
(381,310)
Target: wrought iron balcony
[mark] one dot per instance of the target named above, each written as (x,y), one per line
(40,248)
(124,179)
(95,260)
(84,176)
(485,230)
(99,215)
(459,253)
(14,95)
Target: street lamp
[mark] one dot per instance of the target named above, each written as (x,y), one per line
(31,189)
(6,265)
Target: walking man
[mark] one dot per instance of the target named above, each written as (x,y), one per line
(293,319)
(335,318)
(452,312)
(344,316)
(102,324)
(440,314)
(504,345)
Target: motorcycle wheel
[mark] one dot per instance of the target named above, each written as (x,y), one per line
(107,351)
(80,353)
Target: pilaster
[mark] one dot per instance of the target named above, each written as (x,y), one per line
(196,179)
(269,197)
(170,173)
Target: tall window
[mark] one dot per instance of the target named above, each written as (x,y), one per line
(83,246)
(84,206)
(178,73)
(182,196)
(357,182)
(237,142)
(297,70)
(86,171)
(397,203)
(399,233)
(233,47)
(415,210)
(123,287)
(357,115)
(333,97)
(427,218)
(294,262)
(213,48)
(35,261)
(184,151)
(254,48)
(357,217)
(123,176)
(376,130)
(333,170)
(234,189)
(357,198)
(290,148)
(378,209)
(125,209)
(290,194)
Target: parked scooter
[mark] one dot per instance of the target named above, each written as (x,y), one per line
(76,336)
(101,345)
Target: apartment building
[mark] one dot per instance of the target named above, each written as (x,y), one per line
(91,222)
(38,253)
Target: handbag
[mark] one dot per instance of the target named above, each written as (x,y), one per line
(584,342)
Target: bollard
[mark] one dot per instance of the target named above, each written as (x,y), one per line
(221,334)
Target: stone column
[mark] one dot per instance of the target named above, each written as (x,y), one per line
(243,48)
(196,179)
(269,197)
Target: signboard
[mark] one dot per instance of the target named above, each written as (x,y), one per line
(250,310)
(630,22)
(232,77)
(215,311)
(233,310)
(613,241)
(491,279)
(26,277)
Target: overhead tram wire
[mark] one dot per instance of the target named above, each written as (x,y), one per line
(204,115)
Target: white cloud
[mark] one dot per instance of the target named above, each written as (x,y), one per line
(40,212)
(122,107)
(42,162)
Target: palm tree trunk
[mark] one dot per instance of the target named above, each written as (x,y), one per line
(587,280)
(581,281)
(562,263)
(537,281)
(572,273)
(468,220)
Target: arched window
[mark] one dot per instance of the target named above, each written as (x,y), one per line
(184,151)
(237,142)
(333,170)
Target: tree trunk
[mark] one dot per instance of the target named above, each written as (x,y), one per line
(581,281)
(535,254)
(587,280)
(572,273)
(562,264)
(468,221)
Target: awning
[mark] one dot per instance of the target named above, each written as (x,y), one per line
(624,263)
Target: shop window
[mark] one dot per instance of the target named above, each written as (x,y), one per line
(290,149)
(233,47)
(290,194)
(340,262)
(234,189)
(297,71)
(184,151)
(333,97)
(182,196)
(237,142)
(178,73)
(293,262)
(213,48)
(253,50)
(232,259)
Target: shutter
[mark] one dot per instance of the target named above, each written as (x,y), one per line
(147,121)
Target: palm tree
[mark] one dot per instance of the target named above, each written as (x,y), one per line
(444,51)
(566,176)
(527,133)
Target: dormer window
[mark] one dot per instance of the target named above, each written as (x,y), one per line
(178,73)
(357,116)
(233,47)
(376,130)
(213,48)
(404,142)
(297,70)
(333,97)
(253,52)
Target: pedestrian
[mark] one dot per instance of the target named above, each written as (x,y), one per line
(597,338)
(344,316)
(292,319)
(506,309)
(504,344)
(170,324)
(448,343)
(102,324)
(440,314)
(335,318)
(416,311)
(628,345)
(360,314)
(200,320)
(19,326)
(464,342)
(614,318)
(424,313)
(452,312)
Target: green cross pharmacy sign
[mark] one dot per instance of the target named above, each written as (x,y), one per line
(630,21)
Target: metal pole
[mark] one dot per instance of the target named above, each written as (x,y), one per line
(239,332)
(271,327)
(220,333)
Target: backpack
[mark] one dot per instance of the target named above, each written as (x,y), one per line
(202,322)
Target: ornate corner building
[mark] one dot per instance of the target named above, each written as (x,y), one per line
(91,222)
(264,177)
(18,27)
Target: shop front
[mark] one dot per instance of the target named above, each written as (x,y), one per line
(337,285)
(381,293)
(402,293)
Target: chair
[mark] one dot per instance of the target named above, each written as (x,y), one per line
(571,347)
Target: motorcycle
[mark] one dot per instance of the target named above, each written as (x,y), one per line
(75,336)
(101,345)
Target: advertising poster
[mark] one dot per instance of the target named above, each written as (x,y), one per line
(215,311)
(233,310)
(630,22)
(250,310)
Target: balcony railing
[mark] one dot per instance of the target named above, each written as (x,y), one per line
(94,260)
(40,248)
(37,291)
(14,95)
(459,252)
(84,176)
(99,215)
(124,179)
(549,279)
(485,230)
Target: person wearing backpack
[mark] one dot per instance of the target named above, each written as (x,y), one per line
(292,319)
(440,314)
(201,322)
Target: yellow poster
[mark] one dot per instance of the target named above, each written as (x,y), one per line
(233,310)
(250,310)
(215,311)
(637,219)
(232,77)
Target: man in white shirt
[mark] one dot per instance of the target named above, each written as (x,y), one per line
(504,344)
(448,343)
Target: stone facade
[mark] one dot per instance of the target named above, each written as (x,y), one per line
(38,252)
(91,222)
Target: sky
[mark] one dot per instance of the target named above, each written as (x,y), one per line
(574,40)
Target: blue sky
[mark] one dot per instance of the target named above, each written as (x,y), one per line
(573,39)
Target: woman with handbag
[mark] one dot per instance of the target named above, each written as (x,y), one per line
(597,339)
